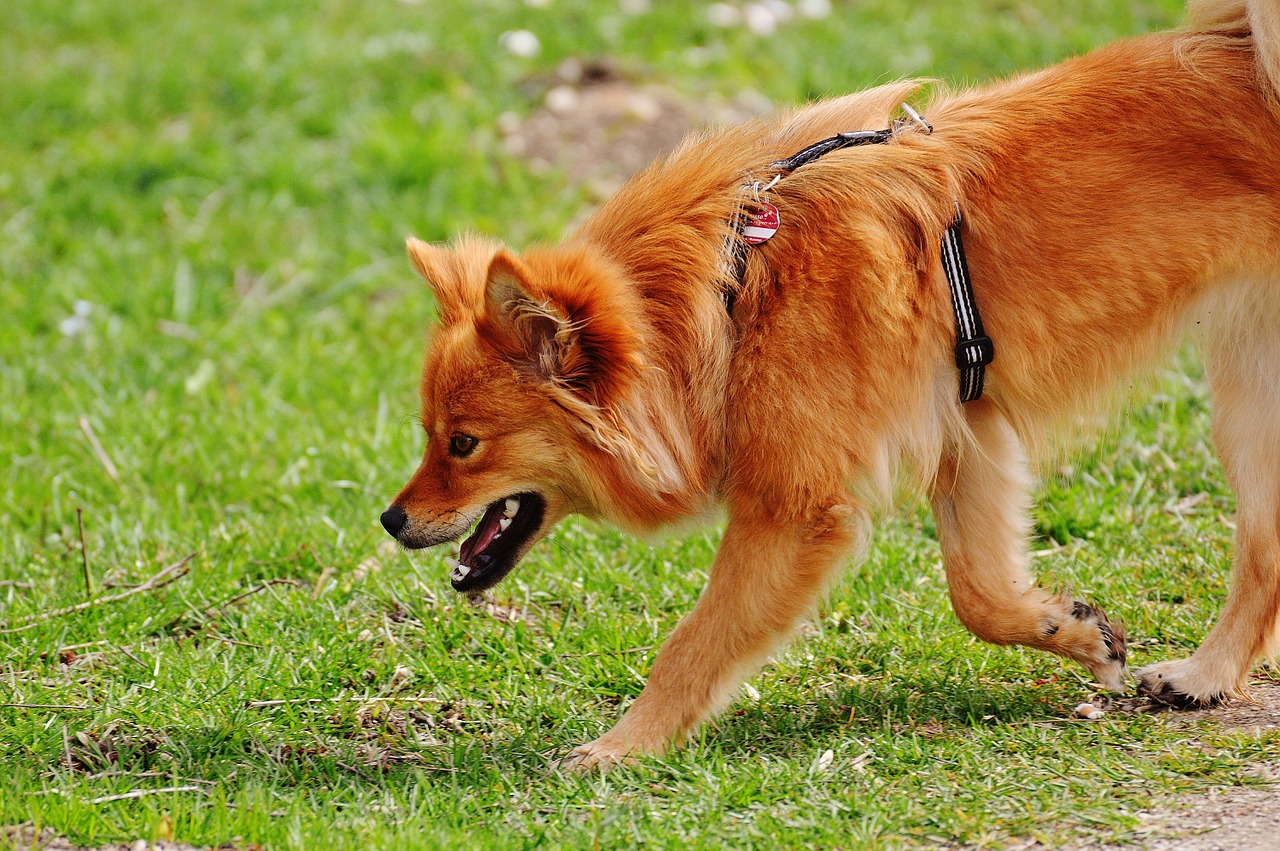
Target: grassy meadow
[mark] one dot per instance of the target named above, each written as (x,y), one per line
(210,349)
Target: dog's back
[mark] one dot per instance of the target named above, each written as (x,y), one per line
(1110,200)
(1261,18)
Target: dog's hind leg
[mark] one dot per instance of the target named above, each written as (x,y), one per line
(767,575)
(1244,373)
(980,507)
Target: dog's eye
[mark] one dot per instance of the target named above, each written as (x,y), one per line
(460,445)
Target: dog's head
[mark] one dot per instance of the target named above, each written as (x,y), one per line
(516,392)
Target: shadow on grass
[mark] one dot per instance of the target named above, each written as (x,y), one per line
(383,747)
(925,707)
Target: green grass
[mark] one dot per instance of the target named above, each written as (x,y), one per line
(228,185)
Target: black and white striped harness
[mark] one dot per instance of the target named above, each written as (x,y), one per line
(974,349)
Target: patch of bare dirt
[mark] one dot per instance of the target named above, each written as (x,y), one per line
(1236,818)
(602,126)
(1259,713)
(1231,819)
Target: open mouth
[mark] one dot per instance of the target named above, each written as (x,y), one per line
(498,541)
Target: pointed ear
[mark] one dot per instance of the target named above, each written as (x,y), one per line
(536,331)
(562,325)
(436,265)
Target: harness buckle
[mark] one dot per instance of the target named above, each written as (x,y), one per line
(977,351)
(916,119)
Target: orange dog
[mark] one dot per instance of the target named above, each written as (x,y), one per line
(652,364)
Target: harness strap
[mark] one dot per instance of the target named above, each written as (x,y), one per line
(835,143)
(974,349)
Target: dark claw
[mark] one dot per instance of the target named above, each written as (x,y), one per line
(1160,691)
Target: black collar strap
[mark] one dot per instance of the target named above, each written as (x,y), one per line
(974,349)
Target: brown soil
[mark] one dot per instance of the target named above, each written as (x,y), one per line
(1236,818)
(601,127)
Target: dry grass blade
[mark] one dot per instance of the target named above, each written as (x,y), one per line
(172,573)
(231,601)
(265,704)
(66,707)
(99,452)
(84,555)
(192,619)
(139,793)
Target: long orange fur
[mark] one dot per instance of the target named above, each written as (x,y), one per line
(1110,202)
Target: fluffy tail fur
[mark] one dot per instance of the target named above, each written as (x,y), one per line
(1260,17)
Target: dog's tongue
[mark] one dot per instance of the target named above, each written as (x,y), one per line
(483,536)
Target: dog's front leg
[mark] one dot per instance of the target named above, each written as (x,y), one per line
(979,503)
(768,574)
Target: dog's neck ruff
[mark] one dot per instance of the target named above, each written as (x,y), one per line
(974,349)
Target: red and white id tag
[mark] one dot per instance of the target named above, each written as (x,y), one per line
(761,223)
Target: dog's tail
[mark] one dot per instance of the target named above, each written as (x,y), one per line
(1260,17)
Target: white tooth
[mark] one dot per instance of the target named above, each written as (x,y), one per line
(504,523)
(460,573)
(512,506)
(452,563)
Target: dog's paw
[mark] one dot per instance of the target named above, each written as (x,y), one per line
(1085,633)
(1111,674)
(1180,684)
(593,756)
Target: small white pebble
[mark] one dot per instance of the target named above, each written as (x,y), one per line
(698,57)
(813,9)
(760,19)
(73,326)
(781,9)
(365,635)
(644,107)
(562,100)
(508,123)
(724,15)
(571,71)
(521,43)
(516,146)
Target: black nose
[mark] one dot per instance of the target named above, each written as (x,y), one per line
(393,520)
